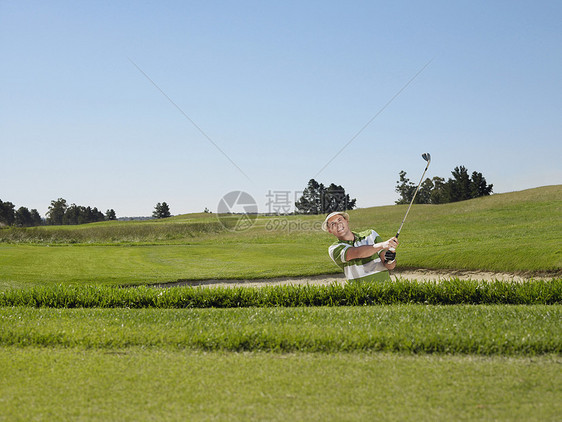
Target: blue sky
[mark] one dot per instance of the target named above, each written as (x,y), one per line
(280,88)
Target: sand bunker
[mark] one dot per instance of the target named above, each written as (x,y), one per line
(420,275)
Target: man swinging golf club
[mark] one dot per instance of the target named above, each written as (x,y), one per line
(363,256)
(360,255)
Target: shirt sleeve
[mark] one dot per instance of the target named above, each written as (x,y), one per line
(337,253)
(377,239)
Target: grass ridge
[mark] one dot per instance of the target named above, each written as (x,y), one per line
(445,292)
(416,329)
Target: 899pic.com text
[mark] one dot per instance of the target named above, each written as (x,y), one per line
(290,225)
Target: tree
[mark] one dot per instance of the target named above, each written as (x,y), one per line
(405,188)
(310,201)
(78,214)
(36,218)
(86,215)
(334,199)
(478,186)
(95,215)
(424,193)
(317,199)
(436,191)
(73,215)
(110,215)
(438,194)
(56,212)
(459,186)
(161,210)
(59,213)
(23,217)
(7,213)
(463,187)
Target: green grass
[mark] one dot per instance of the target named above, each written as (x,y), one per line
(136,384)
(278,354)
(461,329)
(251,363)
(32,265)
(116,232)
(444,292)
(496,233)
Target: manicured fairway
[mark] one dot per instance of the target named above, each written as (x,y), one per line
(136,384)
(32,265)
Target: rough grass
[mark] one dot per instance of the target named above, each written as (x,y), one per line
(419,329)
(113,232)
(445,292)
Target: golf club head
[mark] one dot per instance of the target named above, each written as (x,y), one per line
(427,157)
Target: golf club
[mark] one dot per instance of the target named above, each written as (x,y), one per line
(427,158)
(391,254)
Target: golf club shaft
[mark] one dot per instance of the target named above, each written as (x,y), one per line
(412,201)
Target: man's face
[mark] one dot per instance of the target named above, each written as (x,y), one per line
(338,226)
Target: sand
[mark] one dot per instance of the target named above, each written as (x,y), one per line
(420,275)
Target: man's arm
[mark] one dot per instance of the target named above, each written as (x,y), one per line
(366,251)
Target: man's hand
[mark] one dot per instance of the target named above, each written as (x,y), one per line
(389,256)
(391,243)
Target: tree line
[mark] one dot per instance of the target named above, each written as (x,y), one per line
(319,199)
(315,199)
(460,187)
(59,213)
(22,217)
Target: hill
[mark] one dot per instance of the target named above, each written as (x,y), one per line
(516,232)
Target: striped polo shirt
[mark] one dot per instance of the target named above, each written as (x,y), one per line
(361,269)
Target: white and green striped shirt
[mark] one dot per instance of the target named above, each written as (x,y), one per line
(361,269)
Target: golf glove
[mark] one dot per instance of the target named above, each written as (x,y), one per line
(389,256)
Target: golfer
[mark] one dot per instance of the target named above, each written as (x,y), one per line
(362,256)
